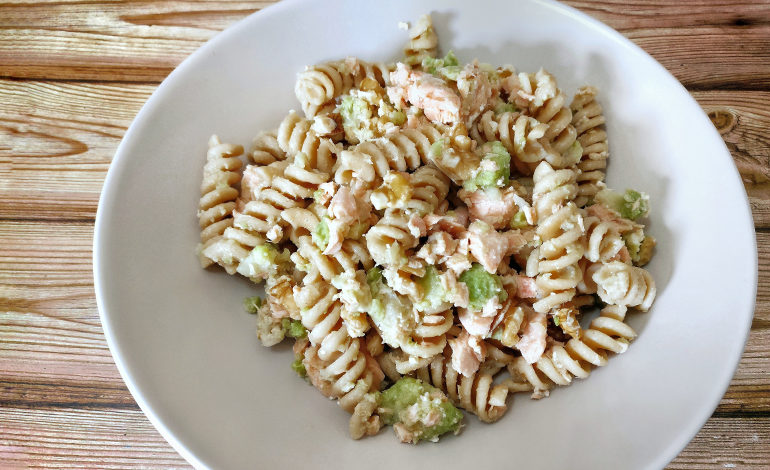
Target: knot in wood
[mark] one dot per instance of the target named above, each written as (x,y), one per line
(723,119)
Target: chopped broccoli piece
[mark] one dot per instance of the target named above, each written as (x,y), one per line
(252,304)
(519,220)
(556,320)
(434,294)
(355,113)
(574,153)
(503,107)
(298,367)
(494,169)
(630,205)
(374,279)
(317,194)
(448,67)
(397,117)
(260,262)
(411,404)
(437,148)
(293,328)
(482,286)
(321,234)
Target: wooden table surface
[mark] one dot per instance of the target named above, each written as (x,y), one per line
(73,73)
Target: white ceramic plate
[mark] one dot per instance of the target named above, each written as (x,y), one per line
(188,353)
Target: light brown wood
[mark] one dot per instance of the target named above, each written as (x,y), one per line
(59,137)
(73,74)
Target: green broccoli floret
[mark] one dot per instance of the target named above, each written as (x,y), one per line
(494,169)
(397,117)
(630,205)
(448,67)
(519,220)
(293,328)
(482,286)
(411,403)
(374,279)
(434,294)
(321,234)
(298,367)
(503,107)
(317,195)
(437,148)
(261,261)
(574,153)
(252,304)
(355,113)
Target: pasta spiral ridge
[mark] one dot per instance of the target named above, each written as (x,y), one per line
(347,259)
(221,174)
(295,134)
(587,119)
(265,149)
(336,363)
(429,338)
(367,163)
(429,188)
(477,393)
(423,41)
(289,189)
(603,241)
(319,85)
(560,230)
(390,238)
(623,284)
(561,363)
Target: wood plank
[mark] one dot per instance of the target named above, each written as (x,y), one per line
(743,119)
(57,139)
(68,438)
(726,443)
(53,352)
(56,143)
(704,44)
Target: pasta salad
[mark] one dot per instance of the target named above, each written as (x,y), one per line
(430,235)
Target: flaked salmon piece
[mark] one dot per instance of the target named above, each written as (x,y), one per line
(526,287)
(346,208)
(479,323)
(489,246)
(453,222)
(495,207)
(439,246)
(532,342)
(476,91)
(468,352)
(459,290)
(623,255)
(437,100)
(416,226)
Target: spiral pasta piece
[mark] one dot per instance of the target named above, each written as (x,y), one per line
(265,149)
(423,41)
(561,363)
(603,240)
(295,134)
(336,363)
(477,394)
(390,238)
(429,188)
(429,338)
(587,119)
(221,174)
(261,217)
(560,229)
(318,86)
(352,254)
(622,284)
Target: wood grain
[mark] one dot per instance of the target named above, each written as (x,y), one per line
(55,364)
(722,44)
(73,74)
